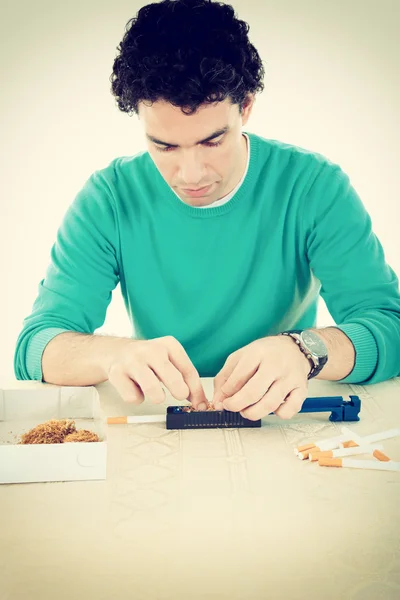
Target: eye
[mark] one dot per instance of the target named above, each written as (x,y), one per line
(169,148)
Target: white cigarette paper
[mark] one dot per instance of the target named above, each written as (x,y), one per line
(371,464)
(146,419)
(333,443)
(136,419)
(374,437)
(356,450)
(353,436)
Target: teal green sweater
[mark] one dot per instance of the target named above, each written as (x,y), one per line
(219,277)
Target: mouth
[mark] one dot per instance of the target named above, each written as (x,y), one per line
(198,192)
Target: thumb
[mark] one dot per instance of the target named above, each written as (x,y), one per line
(222,377)
(219,381)
(217,387)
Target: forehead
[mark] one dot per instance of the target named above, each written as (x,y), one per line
(168,123)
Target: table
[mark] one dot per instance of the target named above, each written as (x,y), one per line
(212,514)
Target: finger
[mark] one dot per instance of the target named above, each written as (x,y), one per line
(179,358)
(127,389)
(241,375)
(269,402)
(292,404)
(222,377)
(171,377)
(148,382)
(253,391)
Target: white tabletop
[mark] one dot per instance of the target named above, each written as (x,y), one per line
(212,514)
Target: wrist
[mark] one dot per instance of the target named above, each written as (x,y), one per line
(109,349)
(295,356)
(312,347)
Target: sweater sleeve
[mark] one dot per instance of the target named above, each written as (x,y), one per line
(360,289)
(83,271)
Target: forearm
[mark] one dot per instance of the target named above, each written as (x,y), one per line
(79,359)
(341,354)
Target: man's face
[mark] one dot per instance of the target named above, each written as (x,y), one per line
(185,160)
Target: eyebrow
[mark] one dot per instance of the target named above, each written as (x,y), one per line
(207,139)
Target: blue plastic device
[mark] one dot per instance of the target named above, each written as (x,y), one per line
(341,409)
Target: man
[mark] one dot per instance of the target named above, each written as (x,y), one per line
(220,239)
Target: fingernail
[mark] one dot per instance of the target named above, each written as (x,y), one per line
(202,406)
(218,406)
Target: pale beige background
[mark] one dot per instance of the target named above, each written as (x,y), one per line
(332,86)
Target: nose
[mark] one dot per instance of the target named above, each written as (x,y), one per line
(191,171)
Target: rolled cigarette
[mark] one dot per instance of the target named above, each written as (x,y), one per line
(374,437)
(383,435)
(303,455)
(347,439)
(349,444)
(351,435)
(359,464)
(337,453)
(136,419)
(304,447)
(314,455)
(325,444)
(334,443)
(314,450)
(380,455)
(331,443)
(330,462)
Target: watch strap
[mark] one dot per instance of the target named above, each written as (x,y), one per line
(316,364)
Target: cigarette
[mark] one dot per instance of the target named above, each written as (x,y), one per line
(321,443)
(374,437)
(136,419)
(380,456)
(326,444)
(359,464)
(349,444)
(351,435)
(305,454)
(331,443)
(383,435)
(346,452)
(305,447)
(347,439)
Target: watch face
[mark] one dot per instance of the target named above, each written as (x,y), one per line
(314,343)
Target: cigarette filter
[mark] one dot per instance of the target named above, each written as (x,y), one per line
(304,447)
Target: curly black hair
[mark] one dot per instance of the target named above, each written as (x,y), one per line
(187,53)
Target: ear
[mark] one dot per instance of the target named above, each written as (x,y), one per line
(251,98)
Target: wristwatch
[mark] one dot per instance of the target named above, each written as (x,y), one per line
(312,346)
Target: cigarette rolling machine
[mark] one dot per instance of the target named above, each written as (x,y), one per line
(184,417)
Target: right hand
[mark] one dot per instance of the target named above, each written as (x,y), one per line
(138,368)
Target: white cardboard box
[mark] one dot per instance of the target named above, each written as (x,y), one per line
(29,403)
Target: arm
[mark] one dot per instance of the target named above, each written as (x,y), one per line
(76,291)
(341,354)
(361,291)
(80,359)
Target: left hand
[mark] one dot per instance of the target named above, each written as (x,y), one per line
(268,375)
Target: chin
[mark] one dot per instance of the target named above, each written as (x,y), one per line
(197,201)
